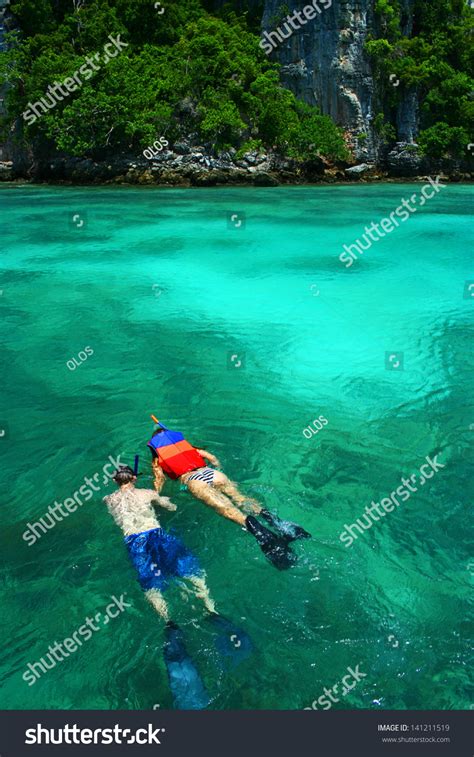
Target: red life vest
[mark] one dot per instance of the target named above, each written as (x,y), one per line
(175,455)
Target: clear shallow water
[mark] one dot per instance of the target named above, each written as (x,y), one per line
(164,293)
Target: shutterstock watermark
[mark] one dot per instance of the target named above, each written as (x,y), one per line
(292,24)
(59,90)
(58,651)
(404,211)
(73,734)
(49,520)
(388,504)
(329,694)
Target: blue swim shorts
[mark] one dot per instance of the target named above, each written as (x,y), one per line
(159,556)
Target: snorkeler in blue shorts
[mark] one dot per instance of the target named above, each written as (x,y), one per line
(159,558)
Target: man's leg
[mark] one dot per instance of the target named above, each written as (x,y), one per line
(157,600)
(202,592)
(218,501)
(228,487)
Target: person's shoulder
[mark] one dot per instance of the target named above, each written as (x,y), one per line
(111,498)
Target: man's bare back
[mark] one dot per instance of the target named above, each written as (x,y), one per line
(132,509)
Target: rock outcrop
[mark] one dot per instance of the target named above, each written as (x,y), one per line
(324,63)
(182,164)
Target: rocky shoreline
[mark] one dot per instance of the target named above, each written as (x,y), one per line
(192,165)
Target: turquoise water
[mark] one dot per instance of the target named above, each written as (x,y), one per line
(165,291)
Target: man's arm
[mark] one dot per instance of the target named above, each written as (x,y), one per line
(163,502)
(208,456)
(159,476)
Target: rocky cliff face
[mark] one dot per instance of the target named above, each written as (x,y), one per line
(324,63)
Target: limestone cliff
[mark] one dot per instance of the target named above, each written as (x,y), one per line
(325,64)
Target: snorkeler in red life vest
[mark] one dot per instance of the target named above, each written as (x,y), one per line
(176,458)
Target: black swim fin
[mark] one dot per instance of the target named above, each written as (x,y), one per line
(185,683)
(285,527)
(275,548)
(232,642)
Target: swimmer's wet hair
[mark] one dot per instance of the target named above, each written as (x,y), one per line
(124,475)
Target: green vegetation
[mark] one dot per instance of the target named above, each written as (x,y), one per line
(386,131)
(184,71)
(441,138)
(195,70)
(435,59)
